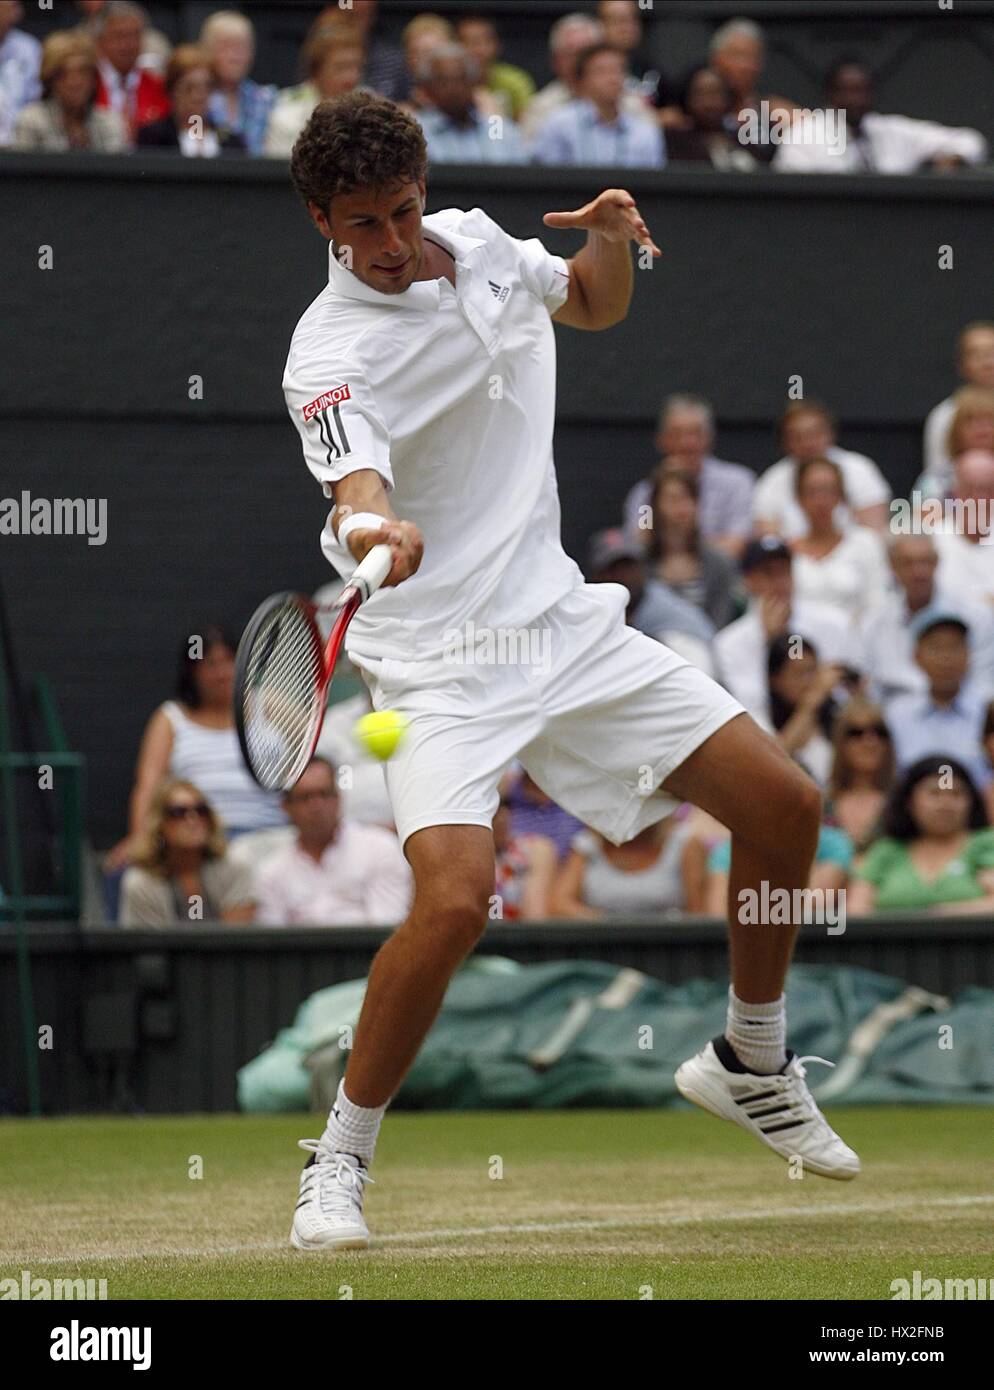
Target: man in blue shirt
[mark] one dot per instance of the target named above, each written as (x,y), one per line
(948,718)
(595,129)
(456,132)
(20,61)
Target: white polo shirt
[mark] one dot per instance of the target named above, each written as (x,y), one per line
(362,878)
(449,394)
(775,499)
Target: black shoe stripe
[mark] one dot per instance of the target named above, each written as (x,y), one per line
(775,1129)
(757,1095)
(770,1110)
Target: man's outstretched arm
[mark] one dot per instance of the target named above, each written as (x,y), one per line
(600,282)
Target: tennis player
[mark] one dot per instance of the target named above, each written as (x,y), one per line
(422,382)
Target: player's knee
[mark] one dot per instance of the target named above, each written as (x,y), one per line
(799,807)
(458,915)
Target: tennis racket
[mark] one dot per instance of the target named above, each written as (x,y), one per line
(283,670)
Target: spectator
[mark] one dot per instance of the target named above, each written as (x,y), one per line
(193,737)
(135,92)
(740,650)
(621,21)
(384,70)
(988,737)
(800,703)
(975,364)
(534,813)
(966,554)
(237,105)
(526,866)
(705,99)
(971,426)
(653,607)
(594,128)
(568,38)
(456,130)
(20,63)
(737,52)
(948,717)
(875,143)
(685,436)
(844,568)
(335,873)
(66,117)
(829,871)
(422,36)
(677,554)
(180,870)
(188,128)
(646,875)
(155,49)
(363,792)
(887,647)
(937,850)
(333,58)
(511,87)
(808,431)
(862,774)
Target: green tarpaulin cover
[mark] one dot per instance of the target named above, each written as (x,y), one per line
(584,1033)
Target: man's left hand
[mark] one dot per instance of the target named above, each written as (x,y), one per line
(612,215)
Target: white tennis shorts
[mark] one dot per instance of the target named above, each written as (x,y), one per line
(597,713)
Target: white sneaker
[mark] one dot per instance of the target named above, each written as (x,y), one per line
(777,1109)
(329,1213)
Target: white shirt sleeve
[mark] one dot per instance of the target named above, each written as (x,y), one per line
(865,485)
(772,492)
(272,906)
(388,887)
(919,141)
(936,458)
(336,417)
(548,274)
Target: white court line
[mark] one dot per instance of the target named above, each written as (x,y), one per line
(644,1221)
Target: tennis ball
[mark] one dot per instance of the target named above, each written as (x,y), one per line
(380,732)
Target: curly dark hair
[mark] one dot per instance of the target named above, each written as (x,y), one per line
(356,141)
(898,822)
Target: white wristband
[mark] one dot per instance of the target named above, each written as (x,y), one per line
(359,521)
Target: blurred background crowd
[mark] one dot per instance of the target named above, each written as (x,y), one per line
(856,627)
(107,81)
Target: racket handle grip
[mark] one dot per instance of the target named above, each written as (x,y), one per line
(371,571)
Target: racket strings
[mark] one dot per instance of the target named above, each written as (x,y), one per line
(283,688)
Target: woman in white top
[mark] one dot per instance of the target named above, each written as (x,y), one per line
(193,737)
(844,568)
(648,874)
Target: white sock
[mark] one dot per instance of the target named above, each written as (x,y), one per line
(757,1033)
(352,1129)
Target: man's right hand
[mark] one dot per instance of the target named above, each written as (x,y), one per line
(403,538)
(774,614)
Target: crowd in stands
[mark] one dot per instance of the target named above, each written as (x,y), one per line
(110,83)
(865,646)
(857,628)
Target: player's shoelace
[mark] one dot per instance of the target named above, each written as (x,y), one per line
(800,1107)
(338,1181)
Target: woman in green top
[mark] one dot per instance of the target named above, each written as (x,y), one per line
(938,848)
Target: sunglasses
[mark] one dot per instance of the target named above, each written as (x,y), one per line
(861,730)
(202,810)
